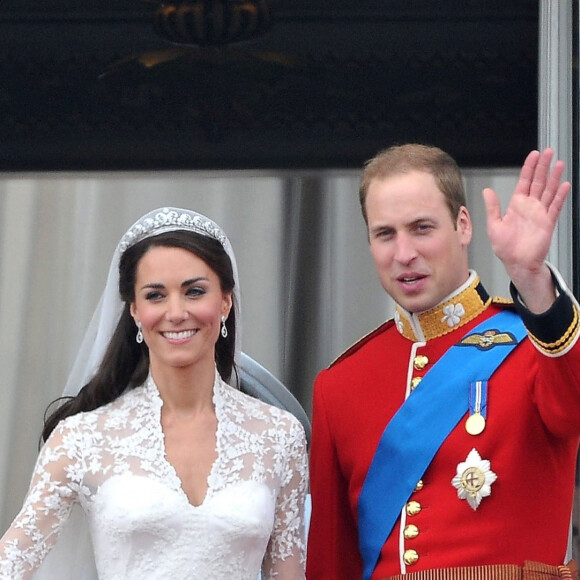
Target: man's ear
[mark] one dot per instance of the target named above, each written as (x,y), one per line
(464,226)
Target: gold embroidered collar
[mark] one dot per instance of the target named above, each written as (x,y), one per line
(457,309)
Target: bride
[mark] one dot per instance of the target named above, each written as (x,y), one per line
(164,468)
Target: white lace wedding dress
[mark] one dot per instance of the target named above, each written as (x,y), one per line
(111,462)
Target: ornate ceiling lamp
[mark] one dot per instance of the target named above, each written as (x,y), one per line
(209,80)
(211,22)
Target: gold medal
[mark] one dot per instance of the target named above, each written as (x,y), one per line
(475,424)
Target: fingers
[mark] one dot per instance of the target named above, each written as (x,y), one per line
(537,181)
(541,171)
(492,205)
(534,173)
(557,202)
(527,173)
(554,180)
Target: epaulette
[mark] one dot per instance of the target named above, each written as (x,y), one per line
(362,341)
(503,302)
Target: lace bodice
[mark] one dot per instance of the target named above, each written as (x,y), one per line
(112,463)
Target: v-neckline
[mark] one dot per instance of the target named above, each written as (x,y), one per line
(216,398)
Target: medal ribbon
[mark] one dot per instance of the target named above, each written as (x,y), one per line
(478,398)
(417,430)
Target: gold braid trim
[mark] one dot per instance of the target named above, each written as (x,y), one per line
(562,343)
(529,571)
(501,300)
(435,322)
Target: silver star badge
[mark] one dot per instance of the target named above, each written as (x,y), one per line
(474,478)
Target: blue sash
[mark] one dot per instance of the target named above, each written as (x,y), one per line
(422,423)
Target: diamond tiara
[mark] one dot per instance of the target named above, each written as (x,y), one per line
(170,219)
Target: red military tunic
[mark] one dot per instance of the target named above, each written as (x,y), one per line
(530,439)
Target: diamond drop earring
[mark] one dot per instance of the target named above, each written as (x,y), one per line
(224,330)
(139,337)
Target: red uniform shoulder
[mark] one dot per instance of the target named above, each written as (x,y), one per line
(363,341)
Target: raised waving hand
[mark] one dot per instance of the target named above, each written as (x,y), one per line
(521,237)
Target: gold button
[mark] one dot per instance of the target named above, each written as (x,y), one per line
(413,508)
(415,382)
(419,485)
(410,557)
(420,362)
(411,531)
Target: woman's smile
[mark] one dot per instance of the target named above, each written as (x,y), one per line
(179,336)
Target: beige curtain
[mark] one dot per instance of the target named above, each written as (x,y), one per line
(308,285)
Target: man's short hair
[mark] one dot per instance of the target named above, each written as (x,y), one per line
(400,159)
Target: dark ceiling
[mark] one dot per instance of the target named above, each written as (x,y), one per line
(91,85)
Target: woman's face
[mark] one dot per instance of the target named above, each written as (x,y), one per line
(179,302)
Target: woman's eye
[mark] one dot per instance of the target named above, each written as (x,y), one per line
(154,295)
(195,291)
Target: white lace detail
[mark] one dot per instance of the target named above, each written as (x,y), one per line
(112,462)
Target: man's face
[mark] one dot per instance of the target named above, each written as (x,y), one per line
(419,252)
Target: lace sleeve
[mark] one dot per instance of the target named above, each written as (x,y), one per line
(286,554)
(53,490)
